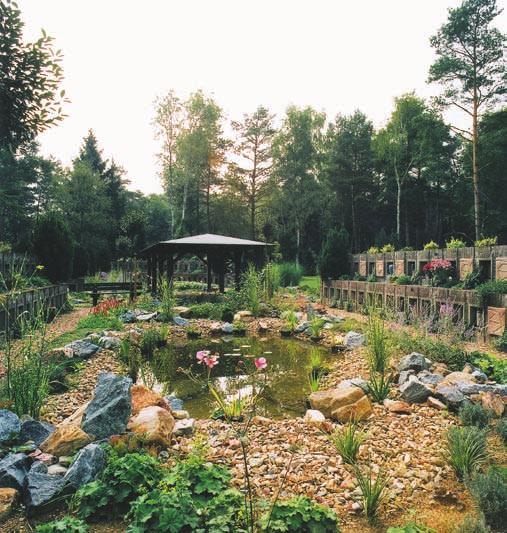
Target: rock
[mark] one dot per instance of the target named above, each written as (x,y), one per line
(479,388)
(154,423)
(494,403)
(261,421)
(143,397)
(314,418)
(40,490)
(414,361)
(8,500)
(45,458)
(35,431)
(65,440)
(215,328)
(263,327)
(61,353)
(109,411)
(128,317)
(13,470)
(429,379)
(327,401)
(436,404)
(57,470)
(354,340)
(440,368)
(302,327)
(83,349)
(180,414)
(455,378)
(89,463)
(182,311)
(450,395)
(10,425)
(356,411)
(227,328)
(66,460)
(109,343)
(354,382)
(184,427)
(174,403)
(404,376)
(146,317)
(413,391)
(479,376)
(396,406)
(183,322)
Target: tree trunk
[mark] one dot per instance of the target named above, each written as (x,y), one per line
(475,171)
(355,244)
(398,210)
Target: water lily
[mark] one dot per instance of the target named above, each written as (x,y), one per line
(201,355)
(261,363)
(211,361)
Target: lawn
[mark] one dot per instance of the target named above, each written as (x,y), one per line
(310,282)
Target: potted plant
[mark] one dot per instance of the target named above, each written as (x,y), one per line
(316,325)
(291,322)
(193,332)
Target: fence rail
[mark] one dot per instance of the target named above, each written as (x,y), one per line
(29,301)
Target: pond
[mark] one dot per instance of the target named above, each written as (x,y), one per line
(287,381)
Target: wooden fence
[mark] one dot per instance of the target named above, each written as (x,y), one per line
(29,301)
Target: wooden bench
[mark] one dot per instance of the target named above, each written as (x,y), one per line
(112,288)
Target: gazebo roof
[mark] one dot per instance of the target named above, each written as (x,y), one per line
(200,242)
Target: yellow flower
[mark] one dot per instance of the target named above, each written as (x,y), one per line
(39,267)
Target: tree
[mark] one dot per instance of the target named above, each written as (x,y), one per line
(30,78)
(91,154)
(53,246)
(334,258)
(251,174)
(470,65)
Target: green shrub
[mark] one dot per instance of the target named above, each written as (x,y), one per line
(347,441)
(494,367)
(167,298)
(487,289)
(67,524)
(270,281)
(251,289)
(487,241)
(412,527)
(455,243)
(501,342)
(372,278)
(227,314)
(290,274)
(333,260)
(489,490)
(472,524)
(387,248)
(373,250)
(403,280)
(432,245)
(466,449)
(373,491)
(501,429)
(301,515)
(123,480)
(204,310)
(316,325)
(474,414)
(150,340)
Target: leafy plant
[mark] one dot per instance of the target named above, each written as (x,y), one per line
(466,449)
(167,298)
(388,248)
(487,241)
(270,281)
(204,310)
(130,355)
(501,342)
(377,349)
(67,524)
(412,527)
(373,250)
(455,243)
(347,441)
(373,490)
(432,245)
(316,325)
(239,327)
(501,429)
(379,386)
(494,367)
(403,280)
(251,289)
(489,288)
(290,274)
(372,278)
(472,524)
(291,320)
(474,414)
(314,378)
(149,341)
(489,490)
(302,515)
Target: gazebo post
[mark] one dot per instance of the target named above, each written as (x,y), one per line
(149,271)
(237,269)
(221,274)
(161,260)
(170,268)
(208,261)
(154,278)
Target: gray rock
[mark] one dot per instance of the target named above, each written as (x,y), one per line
(39,467)
(428,378)
(147,317)
(227,328)
(354,339)
(174,403)
(57,470)
(184,427)
(302,327)
(10,425)
(404,376)
(450,395)
(109,343)
(478,388)
(40,490)
(13,470)
(354,382)
(414,361)
(109,411)
(413,391)
(479,376)
(181,321)
(83,349)
(128,317)
(89,463)
(36,431)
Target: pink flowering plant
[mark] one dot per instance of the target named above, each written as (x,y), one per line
(438,270)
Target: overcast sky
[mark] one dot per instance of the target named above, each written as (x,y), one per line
(335,55)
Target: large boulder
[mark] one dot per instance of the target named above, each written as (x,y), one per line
(109,342)
(479,388)
(179,321)
(36,431)
(354,382)
(184,312)
(450,395)
(76,417)
(83,349)
(413,391)
(428,378)
(8,499)
(342,403)
(414,361)
(146,317)
(174,403)
(405,376)
(353,340)
(144,397)
(89,463)
(65,440)
(494,403)
(41,489)
(109,411)
(13,470)
(154,423)
(456,378)
(10,425)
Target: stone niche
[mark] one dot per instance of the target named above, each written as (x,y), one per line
(362,268)
(496,320)
(466,266)
(501,268)
(380,268)
(399,267)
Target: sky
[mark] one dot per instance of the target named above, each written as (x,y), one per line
(335,55)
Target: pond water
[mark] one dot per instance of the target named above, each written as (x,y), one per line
(287,382)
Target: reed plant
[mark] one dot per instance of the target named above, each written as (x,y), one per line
(347,441)
(373,490)
(466,450)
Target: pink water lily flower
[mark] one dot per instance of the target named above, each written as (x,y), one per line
(261,363)
(211,361)
(201,355)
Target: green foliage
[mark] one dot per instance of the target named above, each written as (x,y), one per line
(371,278)
(130,355)
(373,250)
(67,524)
(432,245)
(251,290)
(487,241)
(403,280)
(290,274)
(472,524)
(300,515)
(270,281)
(379,386)
(466,449)
(316,325)
(501,429)
(149,341)
(204,310)
(334,256)
(291,320)
(474,414)
(501,342)
(167,298)
(373,490)
(489,490)
(489,288)
(123,480)
(455,243)
(378,349)
(347,441)
(412,527)
(387,248)
(100,321)
(494,367)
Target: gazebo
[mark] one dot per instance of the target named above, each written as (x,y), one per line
(213,250)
